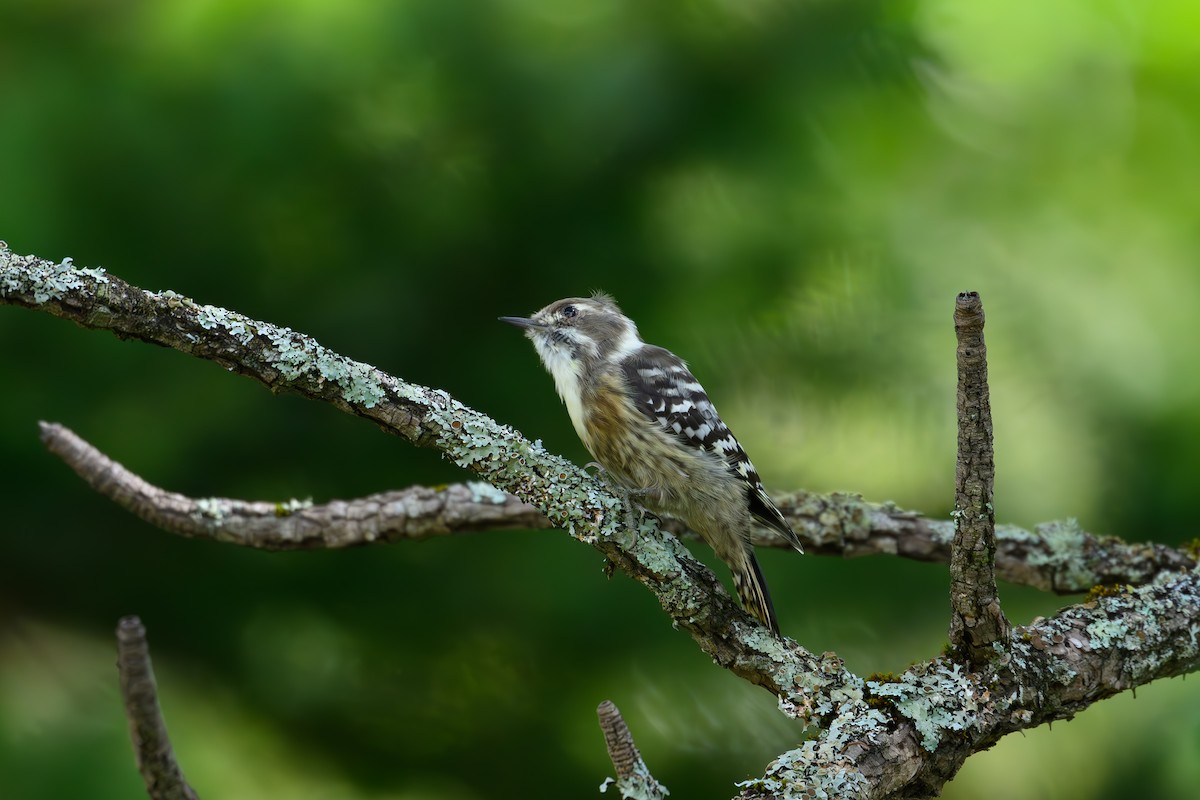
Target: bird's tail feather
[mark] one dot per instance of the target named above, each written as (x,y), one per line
(751,587)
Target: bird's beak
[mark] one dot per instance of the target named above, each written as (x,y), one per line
(522,322)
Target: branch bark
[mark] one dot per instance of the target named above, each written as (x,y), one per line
(901,737)
(977,621)
(151,744)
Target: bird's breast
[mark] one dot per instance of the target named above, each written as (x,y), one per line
(567,371)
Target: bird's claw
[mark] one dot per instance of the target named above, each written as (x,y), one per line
(634,513)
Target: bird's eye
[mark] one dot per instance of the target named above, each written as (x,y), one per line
(570,311)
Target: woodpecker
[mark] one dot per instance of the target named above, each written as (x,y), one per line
(649,423)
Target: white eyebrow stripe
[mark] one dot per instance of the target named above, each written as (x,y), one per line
(628,344)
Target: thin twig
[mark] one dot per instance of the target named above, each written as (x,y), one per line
(977,620)
(415,513)
(155,757)
(634,780)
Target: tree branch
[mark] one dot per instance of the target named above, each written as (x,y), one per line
(414,513)
(976,621)
(634,780)
(1058,557)
(915,730)
(151,744)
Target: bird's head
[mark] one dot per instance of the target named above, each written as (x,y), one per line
(576,329)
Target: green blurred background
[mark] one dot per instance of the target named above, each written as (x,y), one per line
(788,194)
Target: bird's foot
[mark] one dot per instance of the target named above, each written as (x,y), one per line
(635,515)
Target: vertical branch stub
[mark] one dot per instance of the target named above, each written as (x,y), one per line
(634,780)
(977,620)
(151,745)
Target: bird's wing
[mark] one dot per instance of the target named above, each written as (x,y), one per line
(665,391)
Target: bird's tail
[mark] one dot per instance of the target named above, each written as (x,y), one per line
(751,587)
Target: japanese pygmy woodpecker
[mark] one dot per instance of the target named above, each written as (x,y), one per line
(650,425)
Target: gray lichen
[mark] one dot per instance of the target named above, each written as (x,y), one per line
(505,459)
(286,508)
(937,697)
(942,531)
(641,785)
(1062,552)
(211,510)
(816,770)
(294,355)
(484,492)
(43,279)
(830,700)
(297,356)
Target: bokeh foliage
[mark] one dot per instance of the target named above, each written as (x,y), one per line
(787,193)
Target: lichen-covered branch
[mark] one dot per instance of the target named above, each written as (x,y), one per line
(888,736)
(1059,556)
(634,780)
(916,729)
(151,745)
(284,360)
(976,620)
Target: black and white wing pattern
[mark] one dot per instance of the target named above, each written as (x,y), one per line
(665,390)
